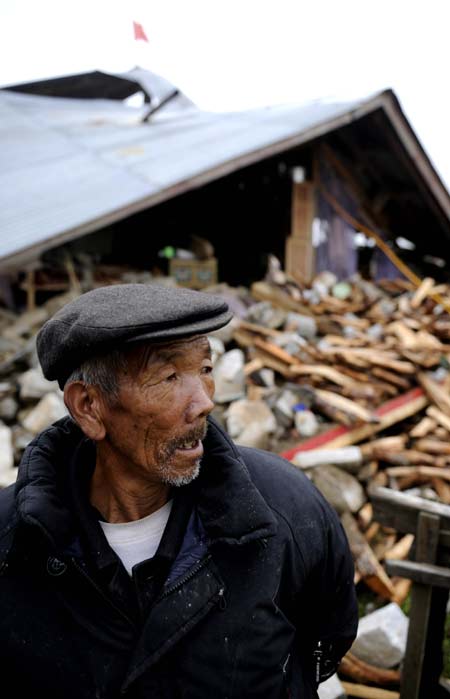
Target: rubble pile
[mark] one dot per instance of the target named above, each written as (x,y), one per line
(347,379)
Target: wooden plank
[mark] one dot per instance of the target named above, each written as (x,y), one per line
(299,247)
(429,471)
(326,372)
(366,562)
(263,291)
(423,573)
(277,352)
(259,329)
(401,511)
(392,411)
(358,670)
(436,393)
(441,418)
(364,692)
(422,292)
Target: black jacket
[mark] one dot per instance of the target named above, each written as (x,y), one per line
(259,599)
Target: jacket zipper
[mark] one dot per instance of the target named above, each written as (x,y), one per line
(190,574)
(100,592)
(317,654)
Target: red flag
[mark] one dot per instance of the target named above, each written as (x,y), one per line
(139,32)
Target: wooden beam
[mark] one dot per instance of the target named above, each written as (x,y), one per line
(392,411)
(300,261)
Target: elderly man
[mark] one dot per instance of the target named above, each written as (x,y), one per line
(142,553)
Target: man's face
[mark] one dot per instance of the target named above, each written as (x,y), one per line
(156,426)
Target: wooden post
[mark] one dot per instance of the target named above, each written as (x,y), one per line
(31,290)
(423,658)
(300,261)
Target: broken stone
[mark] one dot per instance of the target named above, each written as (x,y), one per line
(7,388)
(341,489)
(376,331)
(323,282)
(7,471)
(305,326)
(341,290)
(49,409)
(290,342)
(225,334)
(26,322)
(8,408)
(382,635)
(254,435)
(33,385)
(20,439)
(306,422)
(243,413)
(331,689)
(284,408)
(217,348)
(267,377)
(263,313)
(229,376)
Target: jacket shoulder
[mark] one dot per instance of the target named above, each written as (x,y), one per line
(295,500)
(280,482)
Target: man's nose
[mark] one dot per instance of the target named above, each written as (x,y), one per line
(200,403)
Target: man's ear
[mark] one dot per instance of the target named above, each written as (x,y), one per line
(85,406)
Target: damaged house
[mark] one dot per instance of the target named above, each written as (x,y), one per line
(88,177)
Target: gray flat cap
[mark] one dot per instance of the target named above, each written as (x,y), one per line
(104,318)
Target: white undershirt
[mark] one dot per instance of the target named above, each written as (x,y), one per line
(136,541)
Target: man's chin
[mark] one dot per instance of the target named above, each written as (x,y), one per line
(179,479)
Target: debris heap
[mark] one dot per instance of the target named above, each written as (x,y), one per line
(348,380)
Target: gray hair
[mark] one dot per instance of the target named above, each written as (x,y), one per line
(103,371)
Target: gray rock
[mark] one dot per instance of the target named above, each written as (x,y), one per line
(49,409)
(305,326)
(284,408)
(382,635)
(331,689)
(26,323)
(254,435)
(33,385)
(323,282)
(8,473)
(263,313)
(306,423)
(8,408)
(376,331)
(243,413)
(268,377)
(217,348)
(20,438)
(291,342)
(229,377)
(225,334)
(341,489)
(7,388)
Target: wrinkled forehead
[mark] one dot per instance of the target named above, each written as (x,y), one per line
(148,353)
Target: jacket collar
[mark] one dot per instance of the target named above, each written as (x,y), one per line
(231,508)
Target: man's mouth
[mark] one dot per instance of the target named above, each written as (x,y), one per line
(186,446)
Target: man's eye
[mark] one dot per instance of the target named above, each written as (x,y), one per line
(207,369)
(171,377)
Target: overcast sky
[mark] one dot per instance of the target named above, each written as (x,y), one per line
(236,54)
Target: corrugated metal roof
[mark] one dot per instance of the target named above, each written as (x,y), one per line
(71,166)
